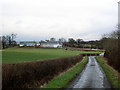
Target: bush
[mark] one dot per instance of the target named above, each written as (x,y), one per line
(35,73)
(90,54)
(113,58)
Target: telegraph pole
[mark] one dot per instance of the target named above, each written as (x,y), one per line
(119,15)
(118,34)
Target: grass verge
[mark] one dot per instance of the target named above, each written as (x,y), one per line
(112,75)
(63,80)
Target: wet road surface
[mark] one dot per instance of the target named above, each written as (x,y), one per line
(91,77)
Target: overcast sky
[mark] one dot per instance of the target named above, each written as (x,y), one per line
(42,19)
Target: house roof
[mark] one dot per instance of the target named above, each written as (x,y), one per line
(55,42)
(27,42)
(49,43)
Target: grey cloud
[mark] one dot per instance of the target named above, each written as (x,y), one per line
(42,19)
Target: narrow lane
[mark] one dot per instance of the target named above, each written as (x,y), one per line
(91,77)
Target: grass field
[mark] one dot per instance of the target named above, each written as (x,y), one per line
(63,80)
(29,54)
(112,75)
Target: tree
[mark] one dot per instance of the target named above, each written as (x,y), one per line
(8,41)
(13,36)
(0,42)
(72,42)
(111,44)
(52,39)
(79,42)
(62,40)
(4,42)
(47,40)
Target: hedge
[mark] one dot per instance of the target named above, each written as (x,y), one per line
(36,73)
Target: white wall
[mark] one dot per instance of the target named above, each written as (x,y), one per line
(51,45)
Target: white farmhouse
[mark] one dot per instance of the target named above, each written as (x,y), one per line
(51,44)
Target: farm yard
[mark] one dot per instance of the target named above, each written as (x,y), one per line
(16,55)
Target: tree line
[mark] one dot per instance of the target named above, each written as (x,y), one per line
(111,44)
(8,41)
(80,43)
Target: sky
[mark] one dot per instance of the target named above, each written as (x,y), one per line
(42,19)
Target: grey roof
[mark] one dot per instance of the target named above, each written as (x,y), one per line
(49,43)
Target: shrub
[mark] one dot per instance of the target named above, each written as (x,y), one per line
(90,54)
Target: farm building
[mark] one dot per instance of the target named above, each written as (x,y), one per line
(27,43)
(51,44)
(40,44)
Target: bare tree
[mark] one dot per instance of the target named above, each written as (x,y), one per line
(4,42)
(79,42)
(8,41)
(13,36)
(0,42)
(112,46)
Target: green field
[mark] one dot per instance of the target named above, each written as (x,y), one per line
(29,54)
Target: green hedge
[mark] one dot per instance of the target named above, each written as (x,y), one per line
(64,80)
(35,73)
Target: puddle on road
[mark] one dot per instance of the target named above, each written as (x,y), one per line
(91,77)
(92,65)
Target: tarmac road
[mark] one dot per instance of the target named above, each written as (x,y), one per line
(91,77)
